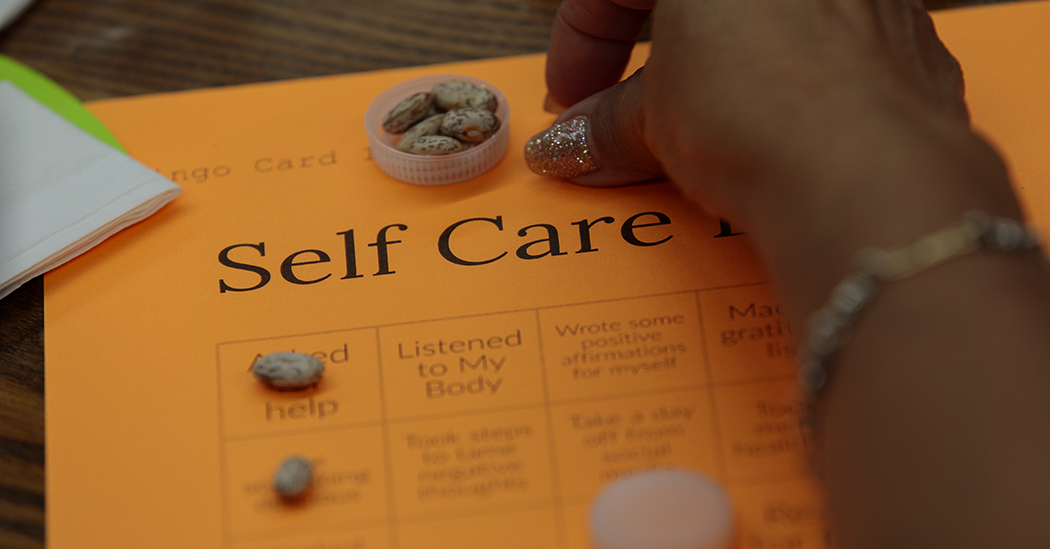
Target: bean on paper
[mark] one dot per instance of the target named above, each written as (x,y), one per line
(293,477)
(288,371)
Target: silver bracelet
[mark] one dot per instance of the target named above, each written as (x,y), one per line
(830,326)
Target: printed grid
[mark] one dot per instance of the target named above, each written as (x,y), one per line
(562,510)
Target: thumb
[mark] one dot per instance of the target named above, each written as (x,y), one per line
(599,141)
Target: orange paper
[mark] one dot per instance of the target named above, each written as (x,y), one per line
(464,406)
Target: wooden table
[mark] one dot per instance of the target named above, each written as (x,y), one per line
(112,48)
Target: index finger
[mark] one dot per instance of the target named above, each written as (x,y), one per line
(591,43)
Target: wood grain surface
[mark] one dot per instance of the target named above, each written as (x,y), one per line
(111,48)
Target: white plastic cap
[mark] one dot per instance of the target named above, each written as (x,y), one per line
(433,170)
(662,509)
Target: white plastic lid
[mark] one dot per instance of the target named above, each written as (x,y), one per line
(662,509)
(433,170)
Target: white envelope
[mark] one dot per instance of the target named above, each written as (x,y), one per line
(62,191)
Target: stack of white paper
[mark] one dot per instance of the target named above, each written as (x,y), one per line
(61,190)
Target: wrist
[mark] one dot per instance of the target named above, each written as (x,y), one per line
(885,186)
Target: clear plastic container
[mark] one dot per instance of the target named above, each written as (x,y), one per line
(433,170)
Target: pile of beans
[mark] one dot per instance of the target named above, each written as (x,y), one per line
(452,117)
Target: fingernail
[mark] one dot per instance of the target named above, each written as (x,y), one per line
(563,150)
(551,105)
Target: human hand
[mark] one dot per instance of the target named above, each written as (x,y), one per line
(823,127)
(820,127)
(744,101)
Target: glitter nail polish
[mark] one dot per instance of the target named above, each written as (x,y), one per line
(563,150)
